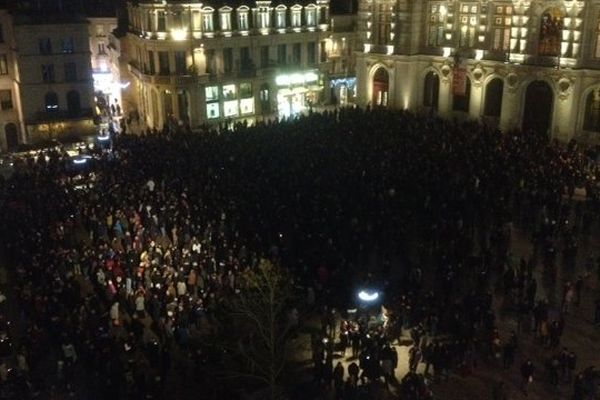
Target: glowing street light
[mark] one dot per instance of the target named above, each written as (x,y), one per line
(368,296)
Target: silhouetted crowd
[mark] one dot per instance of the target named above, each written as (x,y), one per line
(120,263)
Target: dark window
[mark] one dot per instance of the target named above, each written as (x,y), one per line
(323,51)
(48,73)
(1,34)
(431,90)
(68,46)
(163,63)
(245,90)
(3,65)
(70,72)
(591,121)
(227,60)
(211,61)
(162,24)
(101,48)
(45,46)
(264,56)
(51,102)
(245,60)
(281,54)
(73,102)
(311,49)
(151,64)
(493,98)
(297,53)
(6,100)
(180,62)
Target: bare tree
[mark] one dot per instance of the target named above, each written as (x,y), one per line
(260,329)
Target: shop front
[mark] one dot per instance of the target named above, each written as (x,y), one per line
(297,93)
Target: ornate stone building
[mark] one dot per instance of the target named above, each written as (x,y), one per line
(195,63)
(517,64)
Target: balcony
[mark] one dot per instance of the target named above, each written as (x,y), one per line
(171,79)
(58,116)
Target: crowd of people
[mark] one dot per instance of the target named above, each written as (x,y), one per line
(120,264)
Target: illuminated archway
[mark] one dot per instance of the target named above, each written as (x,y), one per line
(381,83)
(539,102)
(493,98)
(551,27)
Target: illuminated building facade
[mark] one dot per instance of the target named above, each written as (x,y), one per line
(516,64)
(54,75)
(194,63)
(105,67)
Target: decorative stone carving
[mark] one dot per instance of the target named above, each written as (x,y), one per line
(512,81)
(445,71)
(565,87)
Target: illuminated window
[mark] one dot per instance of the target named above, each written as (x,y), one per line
(502,24)
(225,19)
(242,13)
(551,32)
(247,106)
(296,16)
(212,110)
(469,22)
(440,15)
(196,21)
(383,24)
(230,108)
(211,93)
(280,16)
(263,17)
(229,92)
(311,15)
(207,20)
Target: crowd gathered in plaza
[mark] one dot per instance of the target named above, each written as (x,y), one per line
(120,264)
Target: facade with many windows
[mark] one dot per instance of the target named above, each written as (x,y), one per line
(532,65)
(11,126)
(55,81)
(196,63)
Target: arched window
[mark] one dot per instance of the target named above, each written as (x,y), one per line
(461,102)
(591,120)
(51,100)
(431,90)
(73,102)
(493,98)
(551,32)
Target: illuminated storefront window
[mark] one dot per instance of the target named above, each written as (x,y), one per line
(212,93)
(229,92)
(230,108)
(246,106)
(212,110)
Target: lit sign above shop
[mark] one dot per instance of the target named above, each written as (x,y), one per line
(296,79)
